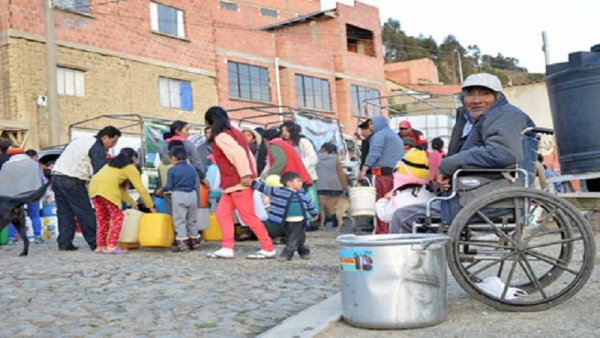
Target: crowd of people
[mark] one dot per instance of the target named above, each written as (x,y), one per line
(303,182)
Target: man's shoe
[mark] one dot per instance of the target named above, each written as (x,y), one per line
(38,240)
(69,247)
(221,253)
(305,257)
(283,258)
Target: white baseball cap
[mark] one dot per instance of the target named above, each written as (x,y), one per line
(483,80)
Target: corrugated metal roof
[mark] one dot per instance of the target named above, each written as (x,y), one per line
(298,19)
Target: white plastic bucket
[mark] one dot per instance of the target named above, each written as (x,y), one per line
(362,200)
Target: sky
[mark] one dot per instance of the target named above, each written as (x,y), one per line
(511,27)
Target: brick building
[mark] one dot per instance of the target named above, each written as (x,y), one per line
(175,58)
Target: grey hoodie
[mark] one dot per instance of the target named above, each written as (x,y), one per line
(385,147)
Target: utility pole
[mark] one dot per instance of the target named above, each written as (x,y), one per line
(546,47)
(460,73)
(53,112)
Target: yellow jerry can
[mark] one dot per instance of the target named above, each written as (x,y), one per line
(213,233)
(156,230)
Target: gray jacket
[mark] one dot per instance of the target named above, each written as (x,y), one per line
(192,153)
(494,142)
(327,171)
(385,147)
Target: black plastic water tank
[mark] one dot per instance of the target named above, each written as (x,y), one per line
(574,93)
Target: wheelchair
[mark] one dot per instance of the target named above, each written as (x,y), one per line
(516,248)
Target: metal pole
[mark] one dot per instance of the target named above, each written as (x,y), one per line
(545,47)
(460,72)
(53,112)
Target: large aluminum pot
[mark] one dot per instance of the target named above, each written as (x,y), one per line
(393,281)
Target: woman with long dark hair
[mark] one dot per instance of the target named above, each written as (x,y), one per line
(107,190)
(237,168)
(292,132)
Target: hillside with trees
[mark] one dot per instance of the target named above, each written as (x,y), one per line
(398,46)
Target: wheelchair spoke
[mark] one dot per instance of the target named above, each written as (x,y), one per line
(550,257)
(551,261)
(497,230)
(546,233)
(484,244)
(531,276)
(555,242)
(487,266)
(509,278)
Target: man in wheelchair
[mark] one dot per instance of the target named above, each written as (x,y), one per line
(487,135)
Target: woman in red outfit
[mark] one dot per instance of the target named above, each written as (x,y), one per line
(237,168)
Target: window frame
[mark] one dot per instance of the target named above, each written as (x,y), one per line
(356,98)
(269,10)
(175,97)
(254,89)
(72,8)
(64,74)
(155,20)
(223,5)
(316,88)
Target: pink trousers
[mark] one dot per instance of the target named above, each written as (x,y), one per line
(244,203)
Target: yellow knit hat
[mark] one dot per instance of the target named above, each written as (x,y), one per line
(416,162)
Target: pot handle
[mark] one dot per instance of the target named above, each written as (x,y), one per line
(422,247)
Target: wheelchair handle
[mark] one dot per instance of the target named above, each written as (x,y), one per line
(537,130)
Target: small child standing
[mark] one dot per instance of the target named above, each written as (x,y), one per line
(293,209)
(182,180)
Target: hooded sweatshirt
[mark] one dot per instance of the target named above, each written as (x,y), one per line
(385,147)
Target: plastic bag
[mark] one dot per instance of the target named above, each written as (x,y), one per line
(259,208)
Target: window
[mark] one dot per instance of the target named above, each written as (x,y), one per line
(360,40)
(269,12)
(69,82)
(248,82)
(358,106)
(175,93)
(312,92)
(167,20)
(230,6)
(73,5)
(432,125)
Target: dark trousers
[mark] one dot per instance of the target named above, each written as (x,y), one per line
(73,202)
(296,236)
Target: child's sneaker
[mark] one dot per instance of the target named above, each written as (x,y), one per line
(12,241)
(180,245)
(221,253)
(38,240)
(262,254)
(100,249)
(194,242)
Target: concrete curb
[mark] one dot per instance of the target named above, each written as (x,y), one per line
(309,322)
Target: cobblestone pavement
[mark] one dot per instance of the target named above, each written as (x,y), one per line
(153,292)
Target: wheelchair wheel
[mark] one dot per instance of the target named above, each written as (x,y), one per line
(521,249)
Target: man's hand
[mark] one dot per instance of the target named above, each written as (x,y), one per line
(388,195)
(153,210)
(158,192)
(443,182)
(363,173)
(315,218)
(246,181)
(206,184)
(134,207)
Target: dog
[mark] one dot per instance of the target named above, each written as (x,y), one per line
(338,205)
(11,211)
